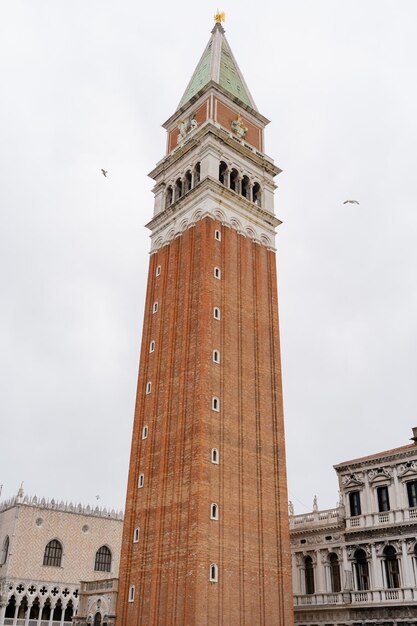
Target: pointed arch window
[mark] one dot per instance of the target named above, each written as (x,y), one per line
(103,560)
(5,550)
(53,554)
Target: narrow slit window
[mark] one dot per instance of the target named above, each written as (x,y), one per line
(158,270)
(131,597)
(141,481)
(214,511)
(217,273)
(215,456)
(217,235)
(148,388)
(145,432)
(214,573)
(215,403)
(152,346)
(136,534)
(216,313)
(216,356)
(155,307)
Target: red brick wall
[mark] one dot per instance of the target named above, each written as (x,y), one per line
(250,543)
(226,115)
(200,115)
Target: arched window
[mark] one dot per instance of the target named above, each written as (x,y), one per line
(392,570)
(309,574)
(362,570)
(215,404)
(245,187)
(215,456)
(197,174)
(214,511)
(53,554)
(216,356)
(103,560)
(222,172)
(234,180)
(97,619)
(178,188)
(214,573)
(168,197)
(187,181)
(5,550)
(256,194)
(334,572)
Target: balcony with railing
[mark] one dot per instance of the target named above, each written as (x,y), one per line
(374,596)
(327,517)
(386,518)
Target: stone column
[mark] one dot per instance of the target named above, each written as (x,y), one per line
(51,616)
(2,612)
(28,608)
(16,608)
(406,566)
(320,578)
(376,580)
(41,605)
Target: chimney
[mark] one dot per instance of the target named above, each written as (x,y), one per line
(414,437)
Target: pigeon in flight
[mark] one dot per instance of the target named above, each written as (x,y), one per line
(351,202)
(104,172)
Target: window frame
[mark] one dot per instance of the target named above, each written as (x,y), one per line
(141,480)
(217,273)
(103,560)
(216,313)
(54,558)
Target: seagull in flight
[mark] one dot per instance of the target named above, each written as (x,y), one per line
(104,172)
(351,202)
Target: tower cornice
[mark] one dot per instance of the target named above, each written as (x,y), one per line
(212,199)
(210,128)
(209,87)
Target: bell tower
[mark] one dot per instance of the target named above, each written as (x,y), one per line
(206,538)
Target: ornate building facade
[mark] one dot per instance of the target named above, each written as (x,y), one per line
(47,549)
(357,564)
(206,538)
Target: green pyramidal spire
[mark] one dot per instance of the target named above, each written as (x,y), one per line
(219,65)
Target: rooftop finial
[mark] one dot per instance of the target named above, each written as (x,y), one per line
(220,17)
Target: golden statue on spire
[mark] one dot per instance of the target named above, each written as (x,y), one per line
(220,17)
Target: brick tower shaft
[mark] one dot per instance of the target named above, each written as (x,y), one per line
(206,538)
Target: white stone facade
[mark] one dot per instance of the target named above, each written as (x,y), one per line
(357,564)
(46,549)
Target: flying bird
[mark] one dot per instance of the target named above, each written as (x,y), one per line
(104,172)
(351,202)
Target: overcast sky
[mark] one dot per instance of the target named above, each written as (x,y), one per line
(86,84)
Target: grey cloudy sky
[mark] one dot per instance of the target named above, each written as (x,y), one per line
(87,84)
